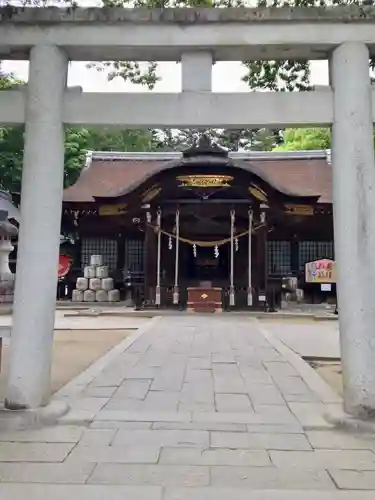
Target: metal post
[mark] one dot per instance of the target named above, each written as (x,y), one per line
(249,290)
(231,289)
(146,258)
(176,291)
(263,220)
(157,295)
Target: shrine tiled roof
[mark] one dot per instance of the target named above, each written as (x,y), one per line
(302,173)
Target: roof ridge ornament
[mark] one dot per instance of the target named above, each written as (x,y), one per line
(204,146)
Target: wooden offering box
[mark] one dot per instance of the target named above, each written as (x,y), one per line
(204,299)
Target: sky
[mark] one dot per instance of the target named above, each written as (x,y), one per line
(226,77)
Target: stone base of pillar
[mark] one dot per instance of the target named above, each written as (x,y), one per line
(231,297)
(249,297)
(176,296)
(157,296)
(19,418)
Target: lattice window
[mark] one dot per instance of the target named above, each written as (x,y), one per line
(279,257)
(99,246)
(313,250)
(134,256)
(325,249)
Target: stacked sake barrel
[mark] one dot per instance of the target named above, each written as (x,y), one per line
(95,285)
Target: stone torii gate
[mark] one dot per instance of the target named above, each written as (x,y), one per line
(49,38)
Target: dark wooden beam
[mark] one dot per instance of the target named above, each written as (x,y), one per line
(198,201)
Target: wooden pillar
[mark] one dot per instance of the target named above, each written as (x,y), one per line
(294,255)
(158,260)
(152,259)
(176,295)
(120,252)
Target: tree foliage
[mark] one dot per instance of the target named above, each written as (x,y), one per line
(77,143)
(303,139)
(11,143)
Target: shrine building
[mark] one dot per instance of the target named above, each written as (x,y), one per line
(234,224)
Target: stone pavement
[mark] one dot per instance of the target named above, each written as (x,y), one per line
(309,338)
(71,320)
(196,408)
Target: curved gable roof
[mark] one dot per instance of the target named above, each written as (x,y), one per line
(291,174)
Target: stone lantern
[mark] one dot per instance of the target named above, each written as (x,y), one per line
(8,213)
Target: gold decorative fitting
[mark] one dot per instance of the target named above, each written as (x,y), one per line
(150,193)
(258,193)
(204,181)
(204,296)
(119,209)
(293,209)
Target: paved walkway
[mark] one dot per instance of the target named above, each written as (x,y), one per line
(196,408)
(71,320)
(314,339)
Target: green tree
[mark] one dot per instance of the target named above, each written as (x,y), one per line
(265,140)
(77,143)
(108,139)
(8,80)
(11,152)
(303,139)
(11,156)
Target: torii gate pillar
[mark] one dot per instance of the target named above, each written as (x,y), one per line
(39,239)
(354,223)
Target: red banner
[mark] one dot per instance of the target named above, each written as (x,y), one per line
(65,263)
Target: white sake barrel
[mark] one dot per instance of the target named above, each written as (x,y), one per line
(101,296)
(82,284)
(114,296)
(89,272)
(299,295)
(89,296)
(102,272)
(95,284)
(77,296)
(107,284)
(96,260)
